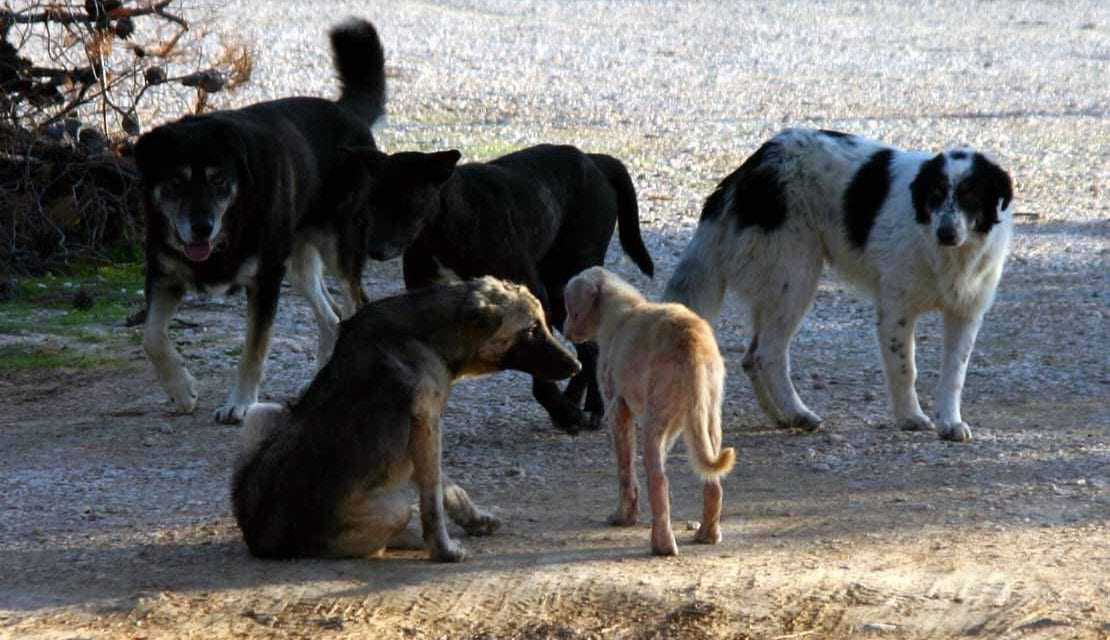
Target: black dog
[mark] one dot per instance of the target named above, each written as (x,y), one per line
(327,475)
(233,196)
(537,216)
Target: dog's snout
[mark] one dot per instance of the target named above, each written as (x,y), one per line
(202,230)
(946,236)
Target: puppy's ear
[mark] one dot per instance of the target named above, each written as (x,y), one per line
(440,165)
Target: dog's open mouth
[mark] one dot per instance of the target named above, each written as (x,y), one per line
(198,251)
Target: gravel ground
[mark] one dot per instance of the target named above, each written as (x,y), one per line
(115,517)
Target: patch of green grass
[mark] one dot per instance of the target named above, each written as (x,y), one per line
(31,358)
(46,304)
(489,150)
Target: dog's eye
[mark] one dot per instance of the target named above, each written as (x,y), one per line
(218,180)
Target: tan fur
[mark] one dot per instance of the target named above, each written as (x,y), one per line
(659,362)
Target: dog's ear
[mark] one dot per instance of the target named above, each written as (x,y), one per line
(243,151)
(439,166)
(147,148)
(480,318)
(994,187)
(929,188)
(367,158)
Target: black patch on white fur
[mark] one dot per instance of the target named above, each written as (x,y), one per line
(980,191)
(929,189)
(865,196)
(757,196)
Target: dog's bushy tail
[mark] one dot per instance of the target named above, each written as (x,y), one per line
(253,477)
(360,61)
(703,428)
(628,211)
(699,280)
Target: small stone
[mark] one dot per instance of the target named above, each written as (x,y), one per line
(868,396)
(692,525)
(879,627)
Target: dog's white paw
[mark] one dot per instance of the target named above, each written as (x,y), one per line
(708,534)
(483,525)
(450,551)
(231,413)
(916,423)
(182,389)
(954,431)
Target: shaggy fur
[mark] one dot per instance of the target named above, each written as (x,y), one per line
(918,232)
(659,362)
(537,216)
(233,198)
(327,475)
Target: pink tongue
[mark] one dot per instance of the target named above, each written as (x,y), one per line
(198,251)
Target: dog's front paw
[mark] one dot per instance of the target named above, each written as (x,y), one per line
(916,423)
(231,413)
(483,525)
(182,389)
(449,551)
(954,431)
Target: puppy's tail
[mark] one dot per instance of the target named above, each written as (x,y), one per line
(699,280)
(262,419)
(703,428)
(628,211)
(360,61)
(253,476)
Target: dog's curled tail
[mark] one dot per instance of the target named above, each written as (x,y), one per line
(703,428)
(628,211)
(360,61)
(699,280)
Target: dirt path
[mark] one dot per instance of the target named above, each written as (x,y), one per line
(114,518)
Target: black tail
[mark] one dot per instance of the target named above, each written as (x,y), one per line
(360,61)
(628,211)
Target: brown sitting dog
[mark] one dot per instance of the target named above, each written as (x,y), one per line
(659,362)
(327,475)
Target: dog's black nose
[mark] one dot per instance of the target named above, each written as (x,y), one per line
(946,236)
(202,230)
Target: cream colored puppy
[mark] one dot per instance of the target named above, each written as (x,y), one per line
(659,362)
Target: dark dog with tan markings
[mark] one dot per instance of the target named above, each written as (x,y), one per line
(327,475)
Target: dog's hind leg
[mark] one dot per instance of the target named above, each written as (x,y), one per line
(624,441)
(656,442)
(168,365)
(367,525)
(959,340)
(262,299)
(308,277)
(777,312)
(476,521)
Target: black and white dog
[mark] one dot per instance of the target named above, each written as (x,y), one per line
(919,232)
(234,197)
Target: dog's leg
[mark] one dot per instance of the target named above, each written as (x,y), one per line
(776,319)
(753,367)
(308,277)
(624,440)
(168,363)
(262,299)
(425,449)
(585,383)
(476,521)
(959,340)
(368,526)
(896,325)
(655,454)
(712,502)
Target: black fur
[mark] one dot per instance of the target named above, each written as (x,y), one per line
(757,197)
(929,189)
(537,217)
(981,191)
(840,135)
(865,195)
